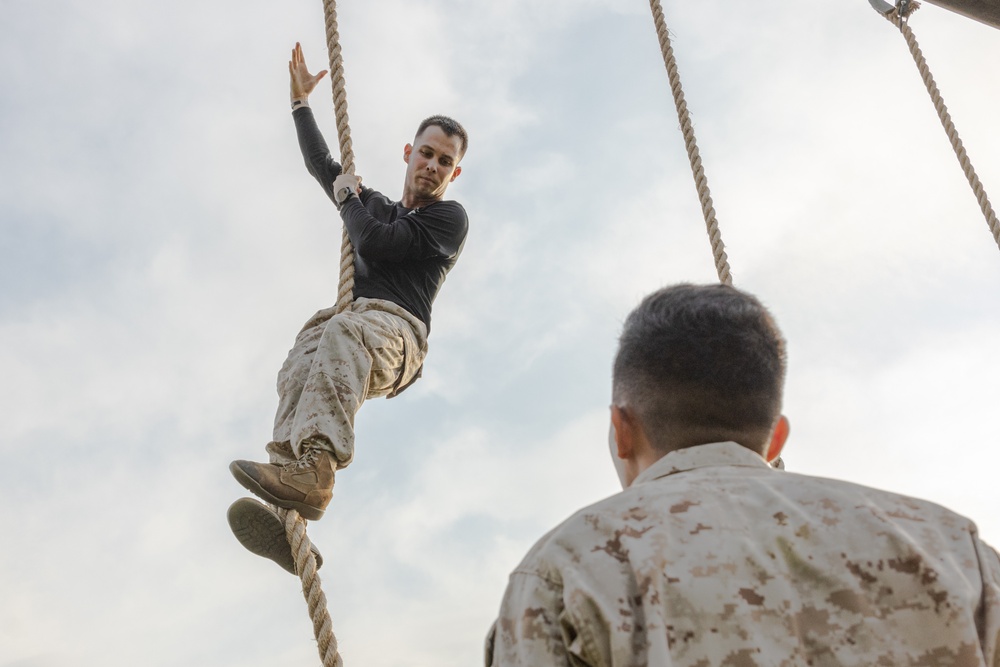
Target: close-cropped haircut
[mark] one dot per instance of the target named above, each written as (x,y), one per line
(700,358)
(449,126)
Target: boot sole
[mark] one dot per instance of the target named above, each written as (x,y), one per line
(250,484)
(262,532)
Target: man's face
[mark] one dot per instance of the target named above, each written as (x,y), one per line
(432,163)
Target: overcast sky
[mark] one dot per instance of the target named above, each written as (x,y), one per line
(162,244)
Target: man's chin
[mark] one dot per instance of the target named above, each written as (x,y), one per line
(425,191)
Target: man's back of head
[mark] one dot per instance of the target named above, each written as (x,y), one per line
(699,364)
(712,557)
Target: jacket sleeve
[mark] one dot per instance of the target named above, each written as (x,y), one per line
(435,231)
(989,616)
(531,630)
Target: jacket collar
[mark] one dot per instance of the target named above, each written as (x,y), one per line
(701,456)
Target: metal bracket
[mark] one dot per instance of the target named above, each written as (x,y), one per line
(903,11)
(881,6)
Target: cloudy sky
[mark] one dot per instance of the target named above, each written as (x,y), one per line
(162,244)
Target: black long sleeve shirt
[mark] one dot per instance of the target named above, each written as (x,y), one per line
(401,255)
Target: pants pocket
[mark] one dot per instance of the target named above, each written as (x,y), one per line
(388,354)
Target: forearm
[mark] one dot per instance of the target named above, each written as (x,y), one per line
(372,238)
(315,152)
(436,231)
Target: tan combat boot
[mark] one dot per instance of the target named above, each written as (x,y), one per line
(262,532)
(280,453)
(305,485)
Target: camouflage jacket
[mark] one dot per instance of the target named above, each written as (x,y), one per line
(712,558)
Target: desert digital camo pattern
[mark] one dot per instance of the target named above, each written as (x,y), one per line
(713,559)
(374,348)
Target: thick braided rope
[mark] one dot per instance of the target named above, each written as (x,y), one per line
(700,180)
(949,127)
(295,525)
(312,589)
(345,292)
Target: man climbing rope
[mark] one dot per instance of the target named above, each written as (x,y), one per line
(712,557)
(376,347)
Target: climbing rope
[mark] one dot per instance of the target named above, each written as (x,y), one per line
(345,293)
(295,525)
(899,17)
(700,180)
(305,565)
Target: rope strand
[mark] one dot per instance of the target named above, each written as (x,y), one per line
(949,127)
(295,525)
(687,129)
(312,589)
(345,291)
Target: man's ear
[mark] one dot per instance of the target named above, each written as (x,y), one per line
(454,175)
(407,149)
(625,431)
(778,438)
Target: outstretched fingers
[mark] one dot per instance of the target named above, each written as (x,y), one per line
(302,82)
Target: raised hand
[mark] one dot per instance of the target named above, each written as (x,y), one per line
(302,82)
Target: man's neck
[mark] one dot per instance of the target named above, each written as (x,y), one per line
(411,201)
(686,438)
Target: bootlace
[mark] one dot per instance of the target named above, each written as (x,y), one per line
(308,460)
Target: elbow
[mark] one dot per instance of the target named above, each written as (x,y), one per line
(311,167)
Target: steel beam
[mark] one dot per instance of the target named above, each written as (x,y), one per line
(984,11)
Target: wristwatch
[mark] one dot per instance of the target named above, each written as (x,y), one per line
(341,195)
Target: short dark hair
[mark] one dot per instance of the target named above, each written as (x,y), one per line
(704,358)
(449,126)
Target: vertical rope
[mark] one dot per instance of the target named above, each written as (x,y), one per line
(949,127)
(312,589)
(345,292)
(295,525)
(700,180)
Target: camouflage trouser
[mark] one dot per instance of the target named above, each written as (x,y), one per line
(374,348)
